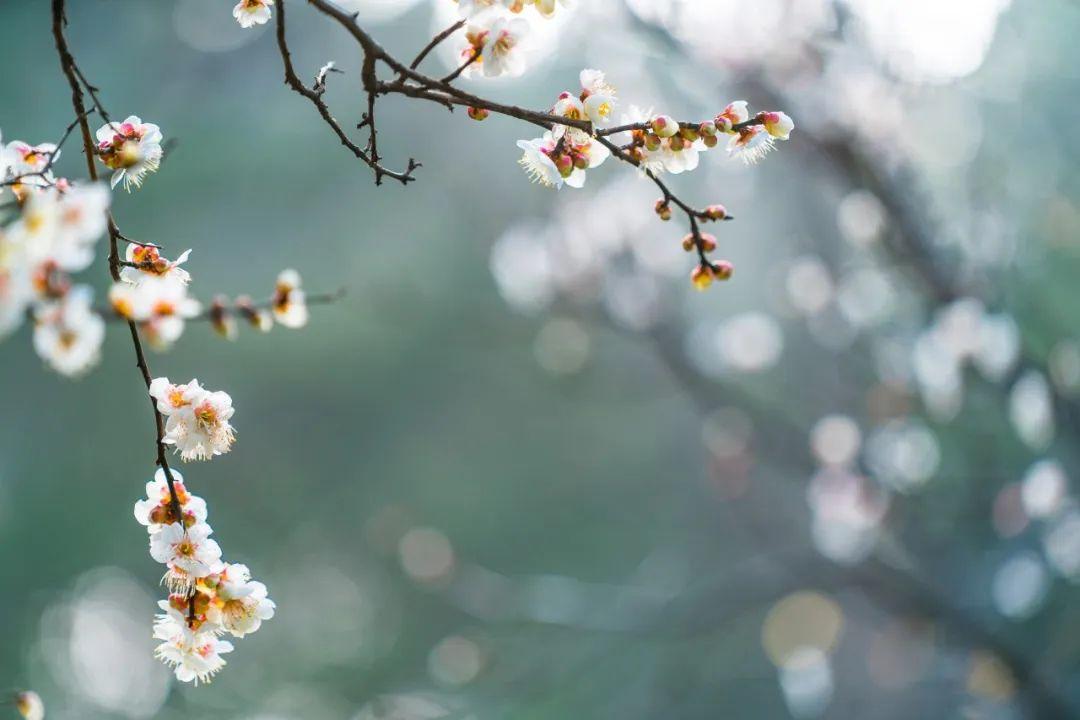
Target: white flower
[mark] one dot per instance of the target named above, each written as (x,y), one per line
(189,553)
(238,604)
(131,149)
(68,334)
(779,125)
(568,165)
(198,420)
(734,114)
(195,655)
(500,54)
(154,298)
(750,144)
(290,308)
(598,96)
(545,7)
(155,511)
(29,705)
(16,288)
(538,163)
(252,12)
(152,263)
(25,159)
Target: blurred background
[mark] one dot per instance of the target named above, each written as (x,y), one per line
(523,470)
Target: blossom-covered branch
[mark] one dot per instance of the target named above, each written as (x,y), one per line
(578,133)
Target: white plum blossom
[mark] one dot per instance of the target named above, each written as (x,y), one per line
(68,333)
(497,39)
(751,144)
(29,705)
(196,656)
(598,97)
(188,552)
(238,604)
(538,163)
(26,159)
(778,124)
(131,149)
(289,304)
(151,263)
(197,419)
(16,287)
(553,163)
(252,12)
(159,303)
(156,511)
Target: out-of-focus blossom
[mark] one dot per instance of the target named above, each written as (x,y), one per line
(30,705)
(249,13)
(290,307)
(68,333)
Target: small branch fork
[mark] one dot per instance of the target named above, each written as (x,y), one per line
(410,82)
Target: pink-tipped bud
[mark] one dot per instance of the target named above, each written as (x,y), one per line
(723,270)
(663,209)
(479,113)
(723,123)
(701,277)
(580,161)
(564,164)
(665,126)
(715,212)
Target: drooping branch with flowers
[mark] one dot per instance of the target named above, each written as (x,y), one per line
(51,225)
(578,131)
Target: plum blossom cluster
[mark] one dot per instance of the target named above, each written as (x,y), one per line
(208,598)
(655,144)
(49,232)
(196,420)
(153,292)
(495,38)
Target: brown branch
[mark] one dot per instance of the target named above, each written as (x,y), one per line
(74,76)
(435,42)
(315,96)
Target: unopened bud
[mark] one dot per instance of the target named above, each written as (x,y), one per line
(564,165)
(723,270)
(689,134)
(701,277)
(477,113)
(723,123)
(677,143)
(665,126)
(710,141)
(663,209)
(652,143)
(707,129)
(715,212)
